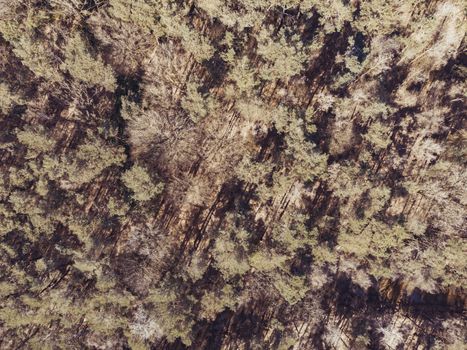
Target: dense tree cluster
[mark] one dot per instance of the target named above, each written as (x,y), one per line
(238,174)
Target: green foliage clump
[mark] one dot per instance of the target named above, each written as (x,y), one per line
(213,303)
(291,288)
(117,207)
(195,43)
(82,66)
(446,263)
(378,135)
(6,288)
(172,314)
(261,261)
(138,180)
(196,104)
(374,242)
(284,57)
(33,52)
(141,13)
(40,265)
(333,14)
(379,16)
(243,75)
(7,99)
(229,256)
(87,162)
(35,140)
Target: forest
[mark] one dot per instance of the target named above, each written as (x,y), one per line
(233,174)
